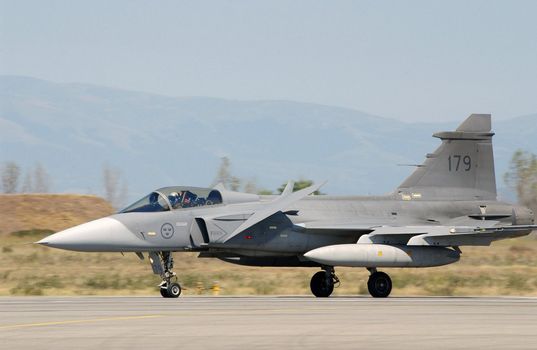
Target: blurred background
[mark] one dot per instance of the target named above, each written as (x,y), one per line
(102,102)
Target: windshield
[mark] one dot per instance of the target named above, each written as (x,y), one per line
(150,203)
(176,197)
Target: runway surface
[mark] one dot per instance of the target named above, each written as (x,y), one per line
(267,323)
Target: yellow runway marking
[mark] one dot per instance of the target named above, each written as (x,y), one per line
(200,313)
(55,323)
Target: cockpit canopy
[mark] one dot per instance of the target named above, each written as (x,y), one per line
(176,197)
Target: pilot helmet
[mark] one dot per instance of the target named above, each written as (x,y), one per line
(174,198)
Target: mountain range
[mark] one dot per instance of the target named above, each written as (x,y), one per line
(74,129)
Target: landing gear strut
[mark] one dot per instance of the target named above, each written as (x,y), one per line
(322,283)
(379,284)
(162,264)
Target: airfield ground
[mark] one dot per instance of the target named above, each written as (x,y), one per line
(267,323)
(506,268)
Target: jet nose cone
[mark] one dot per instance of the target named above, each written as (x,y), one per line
(106,234)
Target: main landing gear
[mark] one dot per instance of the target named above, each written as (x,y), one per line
(379,283)
(323,282)
(162,264)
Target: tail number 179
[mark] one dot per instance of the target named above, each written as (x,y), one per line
(458,162)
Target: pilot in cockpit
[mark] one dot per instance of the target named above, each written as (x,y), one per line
(153,199)
(188,199)
(175,199)
(182,199)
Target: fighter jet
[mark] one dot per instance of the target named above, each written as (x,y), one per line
(448,202)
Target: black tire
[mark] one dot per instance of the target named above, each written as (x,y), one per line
(320,286)
(174,290)
(379,285)
(164,292)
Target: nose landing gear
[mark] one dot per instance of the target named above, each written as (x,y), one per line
(170,289)
(162,264)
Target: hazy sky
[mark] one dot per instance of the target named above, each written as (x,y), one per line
(411,60)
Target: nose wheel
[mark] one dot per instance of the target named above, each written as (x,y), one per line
(162,264)
(170,290)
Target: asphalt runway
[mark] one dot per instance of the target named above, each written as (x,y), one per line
(267,323)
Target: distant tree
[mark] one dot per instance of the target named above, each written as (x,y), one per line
(299,185)
(235,183)
(224,176)
(110,182)
(10,177)
(27,184)
(250,186)
(265,192)
(522,176)
(41,182)
(115,188)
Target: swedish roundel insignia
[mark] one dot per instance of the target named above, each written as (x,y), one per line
(167,230)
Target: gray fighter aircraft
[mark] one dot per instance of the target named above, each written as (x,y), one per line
(447,202)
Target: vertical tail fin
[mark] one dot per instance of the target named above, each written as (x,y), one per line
(461,168)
